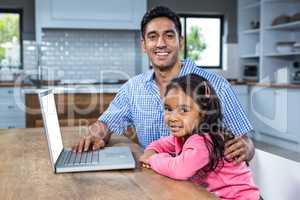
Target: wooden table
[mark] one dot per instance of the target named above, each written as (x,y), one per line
(26,173)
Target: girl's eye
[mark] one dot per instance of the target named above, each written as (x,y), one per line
(167,109)
(183,110)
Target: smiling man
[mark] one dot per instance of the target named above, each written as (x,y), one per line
(139,101)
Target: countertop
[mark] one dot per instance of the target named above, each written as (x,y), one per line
(273,85)
(84,88)
(26,173)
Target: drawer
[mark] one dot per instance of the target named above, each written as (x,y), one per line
(12,124)
(6,92)
(11,108)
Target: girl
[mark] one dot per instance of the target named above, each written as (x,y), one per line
(195,148)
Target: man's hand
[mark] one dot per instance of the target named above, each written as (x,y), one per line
(95,139)
(144,158)
(239,149)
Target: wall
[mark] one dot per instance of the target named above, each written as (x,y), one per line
(28,15)
(84,55)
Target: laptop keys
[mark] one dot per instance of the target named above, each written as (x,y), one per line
(95,157)
(89,157)
(77,159)
(72,158)
(83,158)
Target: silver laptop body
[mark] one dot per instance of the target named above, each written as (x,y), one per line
(64,160)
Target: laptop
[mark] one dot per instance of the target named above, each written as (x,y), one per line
(65,160)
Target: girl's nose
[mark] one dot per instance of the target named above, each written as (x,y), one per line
(173,116)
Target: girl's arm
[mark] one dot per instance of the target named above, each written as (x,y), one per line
(193,157)
(163,145)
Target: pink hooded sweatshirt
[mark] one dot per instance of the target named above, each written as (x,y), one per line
(183,160)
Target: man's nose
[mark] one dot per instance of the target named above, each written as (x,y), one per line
(161,42)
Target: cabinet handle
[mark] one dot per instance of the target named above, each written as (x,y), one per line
(10,91)
(10,107)
(11,127)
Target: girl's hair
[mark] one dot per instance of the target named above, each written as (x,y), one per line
(201,91)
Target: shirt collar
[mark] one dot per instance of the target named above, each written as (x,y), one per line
(187,67)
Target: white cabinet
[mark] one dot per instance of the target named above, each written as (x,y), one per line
(12,108)
(259,36)
(90,14)
(276,116)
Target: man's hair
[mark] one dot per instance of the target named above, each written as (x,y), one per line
(160,11)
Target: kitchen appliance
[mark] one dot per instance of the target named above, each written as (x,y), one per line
(250,72)
(295,74)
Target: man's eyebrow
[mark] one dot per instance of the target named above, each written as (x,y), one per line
(151,32)
(166,31)
(169,31)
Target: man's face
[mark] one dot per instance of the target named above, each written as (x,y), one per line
(162,43)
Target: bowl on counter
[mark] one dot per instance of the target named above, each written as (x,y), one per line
(285,47)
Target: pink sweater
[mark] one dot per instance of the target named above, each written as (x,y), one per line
(184,160)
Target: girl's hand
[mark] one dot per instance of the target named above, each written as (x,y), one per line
(144,158)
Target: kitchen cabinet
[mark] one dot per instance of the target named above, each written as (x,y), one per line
(260,34)
(12,108)
(91,14)
(73,109)
(275,116)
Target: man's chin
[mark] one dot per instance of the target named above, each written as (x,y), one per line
(164,66)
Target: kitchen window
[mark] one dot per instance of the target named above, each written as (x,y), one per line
(11,38)
(203,39)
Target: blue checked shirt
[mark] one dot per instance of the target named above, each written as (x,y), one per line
(138,103)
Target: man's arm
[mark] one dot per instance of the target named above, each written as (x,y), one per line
(239,149)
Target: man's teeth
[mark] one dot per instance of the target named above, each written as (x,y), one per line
(162,53)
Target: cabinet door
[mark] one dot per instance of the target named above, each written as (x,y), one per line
(90,14)
(273,112)
(12,108)
(261,107)
(294,112)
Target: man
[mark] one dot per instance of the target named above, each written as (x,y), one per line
(139,101)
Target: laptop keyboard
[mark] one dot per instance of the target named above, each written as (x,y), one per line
(71,158)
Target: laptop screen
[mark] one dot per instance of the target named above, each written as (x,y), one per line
(51,124)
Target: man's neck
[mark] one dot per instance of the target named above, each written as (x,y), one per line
(162,78)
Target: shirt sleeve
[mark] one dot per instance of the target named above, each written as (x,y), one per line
(235,117)
(164,144)
(117,117)
(193,157)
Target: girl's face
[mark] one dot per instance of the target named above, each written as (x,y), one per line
(182,114)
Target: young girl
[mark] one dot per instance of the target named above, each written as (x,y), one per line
(195,148)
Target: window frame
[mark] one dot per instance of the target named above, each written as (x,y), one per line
(20,12)
(221,17)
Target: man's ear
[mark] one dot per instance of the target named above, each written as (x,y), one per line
(143,45)
(181,42)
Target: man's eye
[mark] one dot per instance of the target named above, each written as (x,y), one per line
(152,37)
(170,35)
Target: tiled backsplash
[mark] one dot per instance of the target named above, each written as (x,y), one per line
(85,54)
